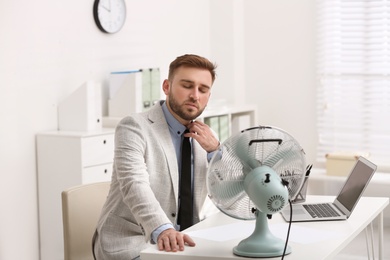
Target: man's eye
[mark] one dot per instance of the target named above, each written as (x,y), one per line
(203,90)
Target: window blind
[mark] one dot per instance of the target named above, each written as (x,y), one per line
(354,78)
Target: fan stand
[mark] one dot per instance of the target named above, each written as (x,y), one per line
(262,243)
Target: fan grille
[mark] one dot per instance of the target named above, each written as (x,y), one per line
(267,146)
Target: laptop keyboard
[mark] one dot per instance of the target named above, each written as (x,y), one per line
(321,210)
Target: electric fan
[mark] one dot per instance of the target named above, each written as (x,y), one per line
(254,176)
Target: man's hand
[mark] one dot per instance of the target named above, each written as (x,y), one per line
(171,240)
(203,134)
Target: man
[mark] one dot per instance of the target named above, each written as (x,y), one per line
(144,199)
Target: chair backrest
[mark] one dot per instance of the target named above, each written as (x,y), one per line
(81,207)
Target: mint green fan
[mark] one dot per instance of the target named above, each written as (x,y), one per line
(253,177)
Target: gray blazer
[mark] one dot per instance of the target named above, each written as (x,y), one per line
(144,188)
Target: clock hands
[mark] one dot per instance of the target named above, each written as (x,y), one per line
(105,7)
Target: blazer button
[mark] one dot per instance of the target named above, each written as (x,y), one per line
(173,215)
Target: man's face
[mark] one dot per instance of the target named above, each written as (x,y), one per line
(188,93)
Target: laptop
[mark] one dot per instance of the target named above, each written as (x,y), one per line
(341,208)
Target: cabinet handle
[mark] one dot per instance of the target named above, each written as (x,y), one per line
(104,141)
(105,171)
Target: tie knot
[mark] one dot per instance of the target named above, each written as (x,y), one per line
(185,132)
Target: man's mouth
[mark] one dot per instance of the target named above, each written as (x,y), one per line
(193,105)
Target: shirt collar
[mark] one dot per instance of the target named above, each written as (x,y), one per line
(175,126)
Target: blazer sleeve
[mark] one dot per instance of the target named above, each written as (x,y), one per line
(143,175)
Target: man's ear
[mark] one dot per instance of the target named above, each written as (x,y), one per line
(165,86)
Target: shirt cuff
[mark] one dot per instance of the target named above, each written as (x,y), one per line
(210,155)
(159,230)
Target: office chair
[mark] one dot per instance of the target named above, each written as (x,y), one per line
(81,206)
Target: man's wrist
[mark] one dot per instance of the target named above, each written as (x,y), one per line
(156,233)
(215,149)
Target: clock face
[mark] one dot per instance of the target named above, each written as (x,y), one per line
(109,15)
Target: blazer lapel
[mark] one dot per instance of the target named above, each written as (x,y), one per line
(156,117)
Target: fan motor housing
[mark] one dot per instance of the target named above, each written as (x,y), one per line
(265,188)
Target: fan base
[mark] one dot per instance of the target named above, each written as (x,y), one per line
(250,247)
(262,243)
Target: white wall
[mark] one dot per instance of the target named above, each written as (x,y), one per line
(228,48)
(48,48)
(280,65)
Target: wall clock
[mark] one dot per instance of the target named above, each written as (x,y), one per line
(109,15)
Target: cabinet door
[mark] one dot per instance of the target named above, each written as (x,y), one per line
(97,173)
(97,150)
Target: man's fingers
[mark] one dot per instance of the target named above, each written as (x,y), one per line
(180,242)
(165,244)
(188,240)
(174,241)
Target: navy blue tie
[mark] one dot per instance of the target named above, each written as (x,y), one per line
(186,207)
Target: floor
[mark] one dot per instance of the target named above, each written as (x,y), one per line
(357,249)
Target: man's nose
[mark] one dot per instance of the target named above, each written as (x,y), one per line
(194,94)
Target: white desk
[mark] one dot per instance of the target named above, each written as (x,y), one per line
(338,234)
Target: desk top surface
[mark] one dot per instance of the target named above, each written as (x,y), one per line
(216,236)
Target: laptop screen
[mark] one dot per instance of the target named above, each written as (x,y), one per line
(356,183)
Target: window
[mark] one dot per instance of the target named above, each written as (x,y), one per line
(354,78)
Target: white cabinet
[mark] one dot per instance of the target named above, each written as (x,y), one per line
(67,159)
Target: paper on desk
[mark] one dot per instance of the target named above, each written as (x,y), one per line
(241,230)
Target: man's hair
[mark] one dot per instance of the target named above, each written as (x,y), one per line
(192,61)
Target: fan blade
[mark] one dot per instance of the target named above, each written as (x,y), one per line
(287,161)
(227,192)
(287,153)
(242,152)
(276,158)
